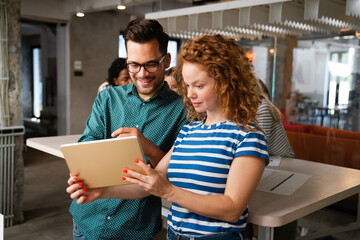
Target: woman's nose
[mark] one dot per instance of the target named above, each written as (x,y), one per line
(190,93)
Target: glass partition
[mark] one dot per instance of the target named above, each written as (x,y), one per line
(320,101)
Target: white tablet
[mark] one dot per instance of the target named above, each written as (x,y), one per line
(101,163)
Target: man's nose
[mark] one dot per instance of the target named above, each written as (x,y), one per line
(142,72)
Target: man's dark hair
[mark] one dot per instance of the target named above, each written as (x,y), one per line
(114,70)
(145,30)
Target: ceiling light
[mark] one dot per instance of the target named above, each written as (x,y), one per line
(80,14)
(121,6)
(250,55)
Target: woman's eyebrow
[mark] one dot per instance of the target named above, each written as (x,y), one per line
(195,82)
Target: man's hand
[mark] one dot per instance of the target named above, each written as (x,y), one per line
(153,152)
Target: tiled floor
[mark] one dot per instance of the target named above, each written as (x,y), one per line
(46,204)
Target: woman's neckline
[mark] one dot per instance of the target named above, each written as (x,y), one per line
(213,124)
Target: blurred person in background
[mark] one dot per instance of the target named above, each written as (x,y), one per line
(170,78)
(117,75)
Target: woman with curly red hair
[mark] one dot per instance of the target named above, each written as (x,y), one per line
(216,162)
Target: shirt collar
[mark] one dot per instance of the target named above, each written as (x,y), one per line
(131,89)
(165,92)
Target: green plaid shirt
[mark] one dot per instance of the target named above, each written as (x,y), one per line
(159,119)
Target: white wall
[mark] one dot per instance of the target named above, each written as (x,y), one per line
(309,72)
(260,62)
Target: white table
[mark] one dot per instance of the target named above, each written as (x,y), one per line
(52,145)
(328,184)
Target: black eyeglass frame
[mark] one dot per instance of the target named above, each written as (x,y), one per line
(145,65)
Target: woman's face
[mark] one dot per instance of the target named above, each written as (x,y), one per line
(172,83)
(201,89)
(123,78)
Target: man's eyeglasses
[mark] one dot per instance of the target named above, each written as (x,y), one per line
(150,67)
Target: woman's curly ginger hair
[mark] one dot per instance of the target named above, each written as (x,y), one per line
(225,61)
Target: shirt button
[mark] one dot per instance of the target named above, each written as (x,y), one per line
(108,217)
(137,126)
(143,104)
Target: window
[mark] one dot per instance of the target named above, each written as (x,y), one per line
(340,78)
(173,49)
(122,49)
(37,82)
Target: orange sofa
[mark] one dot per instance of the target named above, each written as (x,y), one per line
(327,145)
(323,144)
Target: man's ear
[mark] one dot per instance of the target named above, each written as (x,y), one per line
(167,60)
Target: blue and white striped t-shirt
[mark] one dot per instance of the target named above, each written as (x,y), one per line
(200,163)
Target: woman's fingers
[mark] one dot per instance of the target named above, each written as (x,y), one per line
(78,193)
(146,167)
(82,199)
(134,180)
(72,179)
(148,181)
(72,188)
(136,175)
(88,195)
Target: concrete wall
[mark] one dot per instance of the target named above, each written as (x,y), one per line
(40,10)
(94,42)
(15,86)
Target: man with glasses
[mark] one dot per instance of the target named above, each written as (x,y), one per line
(147,108)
